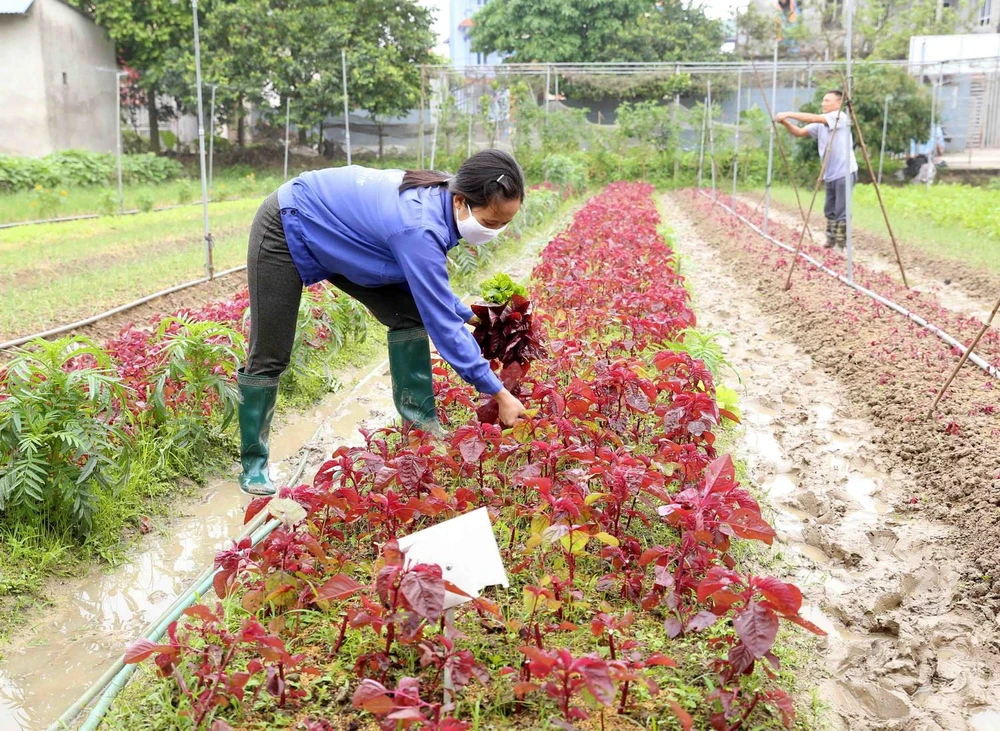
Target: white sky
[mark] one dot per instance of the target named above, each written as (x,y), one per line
(714,9)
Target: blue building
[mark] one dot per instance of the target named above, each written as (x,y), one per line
(459,24)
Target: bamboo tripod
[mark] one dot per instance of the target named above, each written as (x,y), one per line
(965,357)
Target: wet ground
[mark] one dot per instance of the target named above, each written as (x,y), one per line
(904,650)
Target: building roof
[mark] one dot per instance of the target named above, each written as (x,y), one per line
(15,7)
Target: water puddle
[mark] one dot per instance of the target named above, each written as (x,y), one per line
(54,660)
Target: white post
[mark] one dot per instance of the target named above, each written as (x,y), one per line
(118,138)
(209,264)
(770,141)
(434,139)
(211,136)
(468,152)
(288,111)
(347,117)
(885,127)
(849,180)
(736,140)
(711,141)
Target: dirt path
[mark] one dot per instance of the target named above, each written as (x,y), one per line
(958,287)
(902,651)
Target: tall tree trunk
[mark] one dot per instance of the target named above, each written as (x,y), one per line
(321,144)
(154,120)
(381,138)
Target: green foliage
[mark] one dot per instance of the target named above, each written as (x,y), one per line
(972,208)
(499,289)
(145,201)
(185,193)
(46,201)
(58,441)
(704,347)
(328,320)
(596,30)
(648,122)
(198,371)
(885,27)
(168,140)
(108,202)
(565,171)
(82,168)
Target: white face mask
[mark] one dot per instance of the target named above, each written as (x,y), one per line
(474,232)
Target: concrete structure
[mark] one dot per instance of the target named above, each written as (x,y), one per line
(54,96)
(459,23)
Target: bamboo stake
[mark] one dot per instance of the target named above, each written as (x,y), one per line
(965,357)
(812,203)
(878,190)
(781,150)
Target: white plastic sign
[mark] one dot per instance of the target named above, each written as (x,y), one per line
(465,549)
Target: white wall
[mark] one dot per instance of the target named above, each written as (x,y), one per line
(81,99)
(54,97)
(22,87)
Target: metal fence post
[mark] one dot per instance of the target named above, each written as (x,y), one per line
(288,111)
(770,142)
(711,141)
(469,150)
(347,109)
(849,179)
(420,121)
(211,136)
(548,81)
(118,138)
(209,263)
(736,139)
(701,146)
(885,127)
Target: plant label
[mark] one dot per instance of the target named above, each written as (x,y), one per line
(465,549)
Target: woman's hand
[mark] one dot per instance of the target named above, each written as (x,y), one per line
(474,321)
(510,408)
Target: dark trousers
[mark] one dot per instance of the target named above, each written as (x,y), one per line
(835,207)
(276,290)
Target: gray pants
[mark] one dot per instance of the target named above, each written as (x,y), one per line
(835,207)
(276,290)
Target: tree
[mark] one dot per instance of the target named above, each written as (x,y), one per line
(885,26)
(145,32)
(596,30)
(389,41)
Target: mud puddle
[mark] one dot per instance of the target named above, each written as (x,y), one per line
(882,581)
(54,660)
(949,296)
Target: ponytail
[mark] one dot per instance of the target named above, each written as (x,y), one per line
(487,176)
(423,179)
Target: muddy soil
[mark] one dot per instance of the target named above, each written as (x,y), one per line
(957,285)
(907,648)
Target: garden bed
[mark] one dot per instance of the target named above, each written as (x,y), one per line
(624,531)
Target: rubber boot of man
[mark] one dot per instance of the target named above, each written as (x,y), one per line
(831,234)
(840,234)
(258,395)
(412,386)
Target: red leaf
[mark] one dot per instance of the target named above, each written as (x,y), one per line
(522,689)
(700,621)
(255,506)
(682,716)
(220,725)
(373,697)
(424,590)
(471,450)
(220,582)
(785,598)
(339,587)
(720,474)
(757,626)
(597,679)
(748,524)
(802,622)
(783,702)
(662,660)
(142,648)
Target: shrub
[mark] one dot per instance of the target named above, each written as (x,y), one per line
(565,172)
(185,193)
(59,431)
(83,168)
(145,201)
(109,202)
(46,201)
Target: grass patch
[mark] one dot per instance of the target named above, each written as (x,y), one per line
(957,222)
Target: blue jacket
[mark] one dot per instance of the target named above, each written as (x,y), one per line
(353,221)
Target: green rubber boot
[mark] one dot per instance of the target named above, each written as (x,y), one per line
(410,368)
(831,234)
(840,234)
(258,395)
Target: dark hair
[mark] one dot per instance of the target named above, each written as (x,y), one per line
(487,176)
(836,92)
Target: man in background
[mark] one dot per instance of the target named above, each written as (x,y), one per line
(840,161)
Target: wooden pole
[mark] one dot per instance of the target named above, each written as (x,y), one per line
(819,182)
(965,357)
(878,190)
(781,150)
